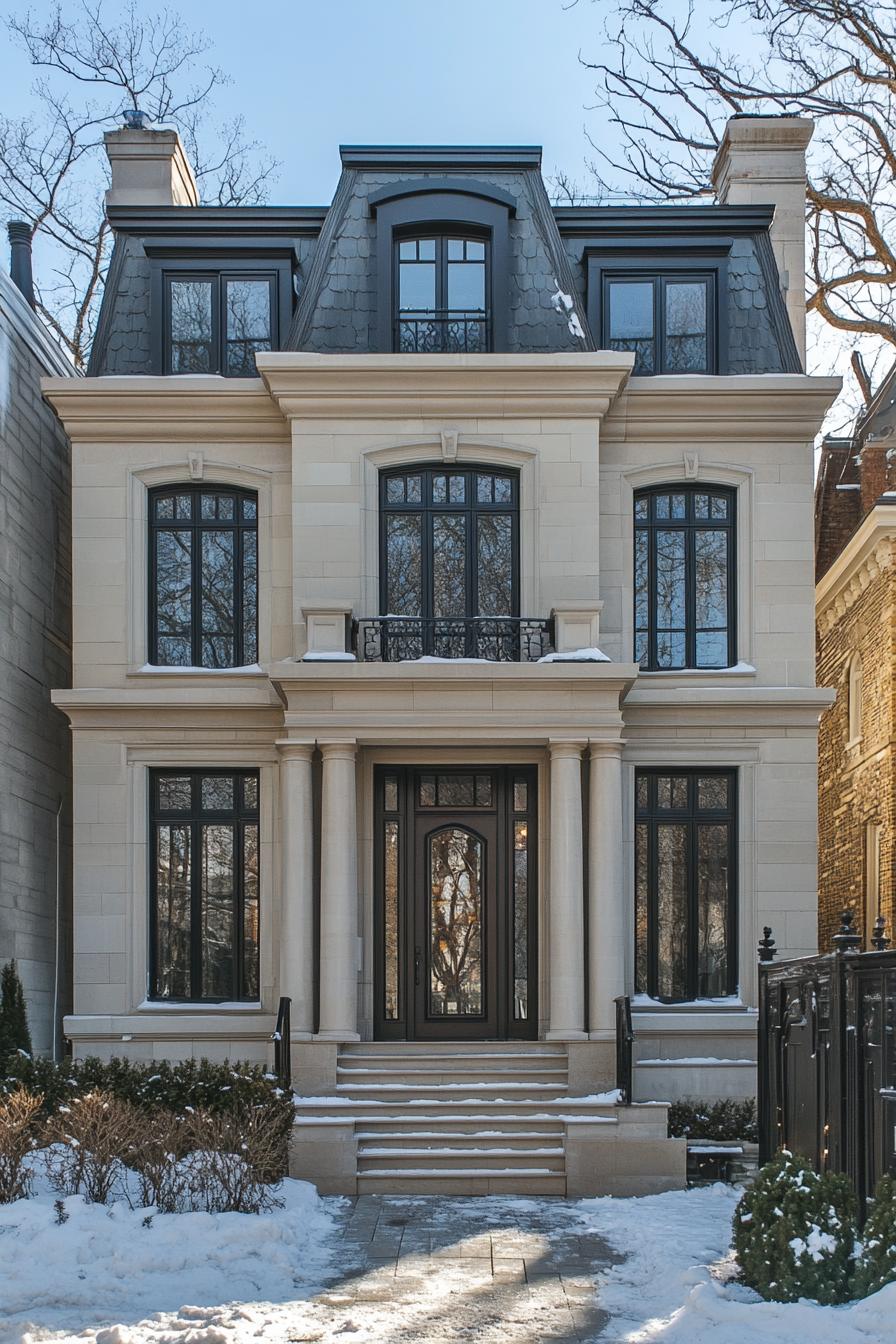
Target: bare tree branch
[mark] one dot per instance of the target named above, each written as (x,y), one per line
(53,170)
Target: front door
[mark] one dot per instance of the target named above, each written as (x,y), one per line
(455,910)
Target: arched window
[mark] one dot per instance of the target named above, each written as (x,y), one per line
(684,577)
(441,301)
(203,576)
(854,693)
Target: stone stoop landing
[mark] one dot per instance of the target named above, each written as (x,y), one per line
(464,1118)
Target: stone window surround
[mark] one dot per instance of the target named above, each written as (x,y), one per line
(195,470)
(693,472)
(743,759)
(140,759)
(472,451)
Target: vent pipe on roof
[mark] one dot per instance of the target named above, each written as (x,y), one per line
(20,258)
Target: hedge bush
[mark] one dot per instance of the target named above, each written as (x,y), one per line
(692,1119)
(795,1233)
(877,1262)
(193,1085)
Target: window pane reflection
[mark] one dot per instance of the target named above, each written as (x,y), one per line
(455,941)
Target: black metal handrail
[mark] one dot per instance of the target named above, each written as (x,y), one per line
(625,1042)
(281,1038)
(442,331)
(497,639)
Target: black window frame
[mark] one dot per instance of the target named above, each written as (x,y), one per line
(180,262)
(460,207)
(690,525)
(660,280)
(441,237)
(690,816)
(196,525)
(670,259)
(239,816)
(472,507)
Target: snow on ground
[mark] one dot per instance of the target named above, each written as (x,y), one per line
(111,1264)
(114,1276)
(673,1286)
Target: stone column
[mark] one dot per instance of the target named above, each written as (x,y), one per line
(606,898)
(566,911)
(338,895)
(297,886)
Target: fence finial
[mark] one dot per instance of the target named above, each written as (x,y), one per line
(846,941)
(767,947)
(879,941)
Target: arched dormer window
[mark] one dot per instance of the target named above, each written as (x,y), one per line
(854,699)
(442,265)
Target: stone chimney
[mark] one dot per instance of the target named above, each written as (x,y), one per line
(149,168)
(762,161)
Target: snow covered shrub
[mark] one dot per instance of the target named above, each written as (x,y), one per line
(877,1262)
(228,1168)
(156,1159)
(91,1143)
(18,1116)
(691,1119)
(795,1233)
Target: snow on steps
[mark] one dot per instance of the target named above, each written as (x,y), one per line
(474,1119)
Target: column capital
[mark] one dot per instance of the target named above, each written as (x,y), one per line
(612,748)
(566,748)
(290,750)
(345,750)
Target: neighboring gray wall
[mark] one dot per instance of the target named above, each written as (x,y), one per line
(35,655)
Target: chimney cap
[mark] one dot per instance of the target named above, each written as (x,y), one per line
(135,120)
(18,231)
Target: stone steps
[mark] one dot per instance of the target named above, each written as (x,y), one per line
(488,1118)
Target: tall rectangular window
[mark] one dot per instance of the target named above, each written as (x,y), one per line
(441,303)
(204,885)
(216,322)
(685,884)
(203,577)
(684,577)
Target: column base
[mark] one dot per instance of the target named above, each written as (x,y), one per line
(605,1034)
(345,1036)
(570,1035)
(295,1036)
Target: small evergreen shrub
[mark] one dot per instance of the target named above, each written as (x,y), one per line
(795,1233)
(877,1262)
(691,1119)
(14,1033)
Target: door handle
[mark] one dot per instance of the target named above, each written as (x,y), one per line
(418,958)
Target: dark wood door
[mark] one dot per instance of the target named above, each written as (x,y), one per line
(455,933)
(454,915)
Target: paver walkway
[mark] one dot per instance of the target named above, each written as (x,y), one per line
(438,1270)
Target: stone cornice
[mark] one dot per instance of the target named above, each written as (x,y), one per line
(869,552)
(149,409)
(782,408)
(568,386)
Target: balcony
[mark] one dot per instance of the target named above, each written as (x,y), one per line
(496,639)
(442,331)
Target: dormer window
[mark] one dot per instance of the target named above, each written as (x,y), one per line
(666,320)
(217,322)
(442,288)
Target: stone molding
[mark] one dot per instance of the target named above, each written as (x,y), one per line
(165,410)
(748,408)
(580,385)
(869,553)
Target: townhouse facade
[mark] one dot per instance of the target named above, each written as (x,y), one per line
(443,629)
(855,526)
(35,655)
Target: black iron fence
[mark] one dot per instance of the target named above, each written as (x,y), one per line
(498,639)
(827,1057)
(442,331)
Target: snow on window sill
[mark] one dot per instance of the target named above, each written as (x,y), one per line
(736,670)
(576,656)
(328,656)
(156,670)
(197,1006)
(728,1002)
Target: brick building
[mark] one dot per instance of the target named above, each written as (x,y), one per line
(35,655)
(855,525)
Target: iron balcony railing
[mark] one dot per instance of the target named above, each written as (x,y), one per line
(442,331)
(498,639)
